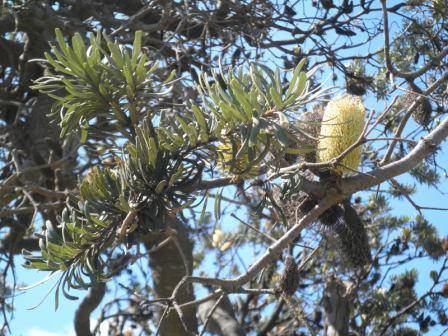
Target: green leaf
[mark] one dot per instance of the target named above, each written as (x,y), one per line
(217,208)
(281,136)
(295,76)
(84,135)
(199,116)
(254,132)
(301,84)
(160,186)
(79,48)
(137,47)
(242,98)
(276,98)
(60,39)
(116,54)
(203,211)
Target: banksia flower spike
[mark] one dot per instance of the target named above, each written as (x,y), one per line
(342,124)
(230,164)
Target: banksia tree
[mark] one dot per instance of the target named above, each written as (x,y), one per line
(240,124)
(192,186)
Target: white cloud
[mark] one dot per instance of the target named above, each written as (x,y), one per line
(36,331)
(40,332)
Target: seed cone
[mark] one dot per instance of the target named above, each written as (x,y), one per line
(356,87)
(422,113)
(309,125)
(345,226)
(289,281)
(341,224)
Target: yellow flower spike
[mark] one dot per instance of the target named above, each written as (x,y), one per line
(342,124)
(241,167)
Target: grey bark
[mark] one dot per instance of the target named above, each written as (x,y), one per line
(168,269)
(223,321)
(337,307)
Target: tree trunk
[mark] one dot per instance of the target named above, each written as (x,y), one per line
(87,306)
(336,306)
(223,321)
(167,270)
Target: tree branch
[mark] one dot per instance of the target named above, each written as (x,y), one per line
(87,306)
(348,186)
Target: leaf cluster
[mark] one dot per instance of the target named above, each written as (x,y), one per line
(113,90)
(104,81)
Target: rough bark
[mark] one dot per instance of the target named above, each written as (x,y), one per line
(337,308)
(168,269)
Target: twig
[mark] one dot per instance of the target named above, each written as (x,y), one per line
(294,305)
(389,65)
(308,258)
(408,114)
(126,223)
(417,207)
(23,210)
(254,228)
(382,115)
(49,193)
(131,21)
(165,312)
(182,254)
(396,185)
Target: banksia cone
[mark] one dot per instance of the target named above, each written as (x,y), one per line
(356,86)
(342,124)
(341,224)
(294,206)
(344,225)
(422,113)
(289,281)
(309,125)
(358,250)
(445,290)
(445,244)
(356,79)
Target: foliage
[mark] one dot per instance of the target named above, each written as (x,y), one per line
(163,158)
